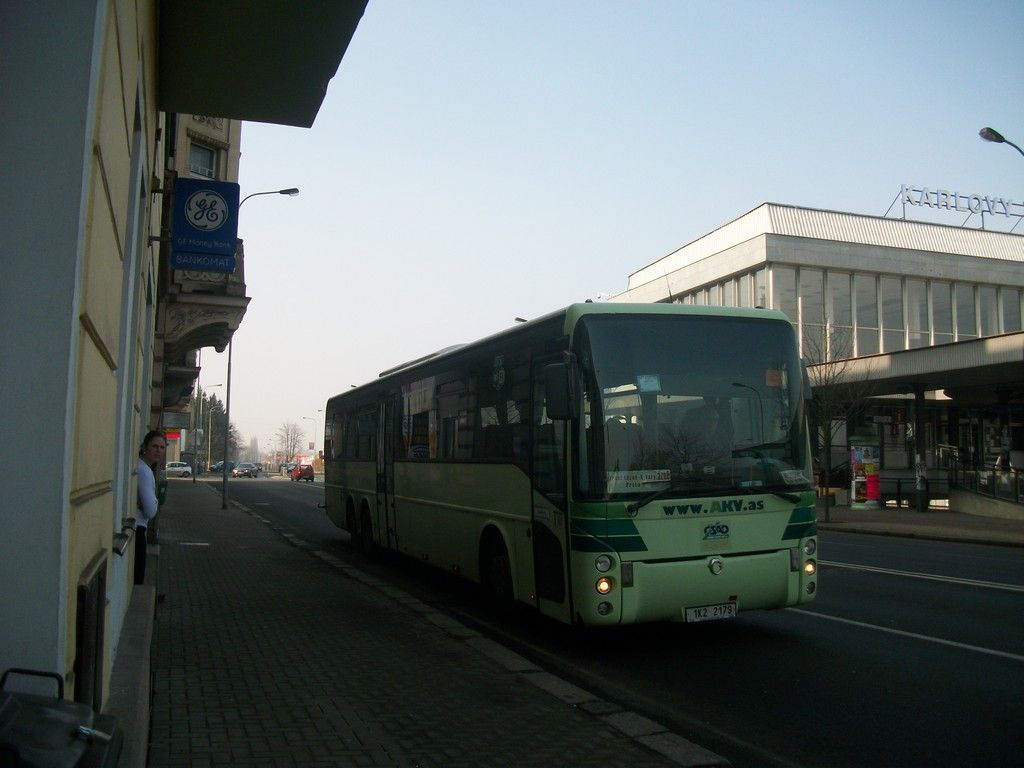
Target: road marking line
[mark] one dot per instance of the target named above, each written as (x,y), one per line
(928,576)
(913,635)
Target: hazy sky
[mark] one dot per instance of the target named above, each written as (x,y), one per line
(475,161)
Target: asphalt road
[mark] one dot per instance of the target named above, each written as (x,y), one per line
(912,655)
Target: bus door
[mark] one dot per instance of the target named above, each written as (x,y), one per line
(549,511)
(388,535)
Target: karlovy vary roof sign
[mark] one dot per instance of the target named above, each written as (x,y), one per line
(954,201)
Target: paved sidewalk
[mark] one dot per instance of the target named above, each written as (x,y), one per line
(938,523)
(267,653)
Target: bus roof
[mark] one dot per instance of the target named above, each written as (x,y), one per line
(571,316)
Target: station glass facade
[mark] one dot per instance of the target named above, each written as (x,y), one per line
(866,313)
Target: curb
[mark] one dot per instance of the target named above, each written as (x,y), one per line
(925,535)
(129,700)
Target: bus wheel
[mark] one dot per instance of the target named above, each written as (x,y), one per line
(365,534)
(496,571)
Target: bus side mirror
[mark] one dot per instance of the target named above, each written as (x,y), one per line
(558,391)
(808,395)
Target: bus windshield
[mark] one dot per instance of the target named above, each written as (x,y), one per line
(690,405)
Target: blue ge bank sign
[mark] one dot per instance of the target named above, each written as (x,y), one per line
(204,228)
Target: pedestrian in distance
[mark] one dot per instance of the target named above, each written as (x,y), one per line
(151,456)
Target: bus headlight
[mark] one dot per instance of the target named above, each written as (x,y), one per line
(604,563)
(604,585)
(810,547)
(810,568)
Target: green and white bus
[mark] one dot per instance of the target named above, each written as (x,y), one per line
(604,464)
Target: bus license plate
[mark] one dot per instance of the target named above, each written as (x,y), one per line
(711,612)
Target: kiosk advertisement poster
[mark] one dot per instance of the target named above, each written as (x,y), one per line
(864,466)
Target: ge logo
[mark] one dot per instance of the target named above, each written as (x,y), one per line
(206,210)
(716,531)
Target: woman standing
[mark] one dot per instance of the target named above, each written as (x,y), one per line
(151,456)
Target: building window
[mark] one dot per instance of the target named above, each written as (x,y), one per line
(917,314)
(942,313)
(1010,301)
(729,293)
(202,160)
(840,314)
(745,282)
(714,295)
(812,314)
(988,310)
(866,320)
(893,338)
(784,292)
(966,326)
(761,288)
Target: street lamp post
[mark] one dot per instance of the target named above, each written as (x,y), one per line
(291,192)
(991,134)
(314,420)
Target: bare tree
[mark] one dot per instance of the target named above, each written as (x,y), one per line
(290,437)
(836,395)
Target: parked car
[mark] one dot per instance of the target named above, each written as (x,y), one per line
(178,469)
(302,472)
(219,466)
(245,469)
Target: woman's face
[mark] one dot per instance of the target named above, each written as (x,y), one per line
(154,451)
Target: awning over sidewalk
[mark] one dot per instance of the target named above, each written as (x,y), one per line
(269,61)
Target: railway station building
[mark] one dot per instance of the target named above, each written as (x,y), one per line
(924,320)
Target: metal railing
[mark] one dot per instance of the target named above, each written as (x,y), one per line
(1003,483)
(1006,484)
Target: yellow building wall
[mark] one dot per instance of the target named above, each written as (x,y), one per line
(129,42)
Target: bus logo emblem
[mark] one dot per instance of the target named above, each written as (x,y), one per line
(716,531)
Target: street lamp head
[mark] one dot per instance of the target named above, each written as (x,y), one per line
(991,134)
(291,192)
